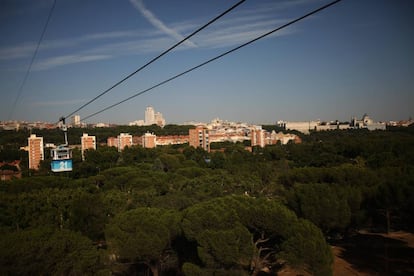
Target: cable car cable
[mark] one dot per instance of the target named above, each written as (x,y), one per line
(213,59)
(26,76)
(157,57)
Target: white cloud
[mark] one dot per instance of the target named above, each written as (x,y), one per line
(157,23)
(67,59)
(18,51)
(227,34)
(232,30)
(27,49)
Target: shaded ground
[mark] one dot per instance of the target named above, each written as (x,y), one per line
(375,254)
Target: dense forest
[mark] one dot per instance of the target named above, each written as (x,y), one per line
(177,210)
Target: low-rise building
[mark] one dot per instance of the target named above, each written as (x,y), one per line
(304,127)
(274,138)
(172,140)
(368,123)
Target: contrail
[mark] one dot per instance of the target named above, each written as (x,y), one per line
(157,23)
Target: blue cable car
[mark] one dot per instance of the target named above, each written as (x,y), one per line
(62,155)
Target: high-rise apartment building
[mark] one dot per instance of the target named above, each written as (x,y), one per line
(198,138)
(159,119)
(76,121)
(87,143)
(36,151)
(124,140)
(149,116)
(152,117)
(149,140)
(257,136)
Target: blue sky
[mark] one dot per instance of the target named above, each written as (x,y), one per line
(353,58)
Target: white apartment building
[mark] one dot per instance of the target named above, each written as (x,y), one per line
(76,122)
(149,116)
(159,119)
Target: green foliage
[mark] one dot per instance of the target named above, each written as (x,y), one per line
(136,154)
(222,241)
(44,207)
(226,145)
(9,167)
(167,206)
(192,172)
(235,232)
(12,139)
(143,235)
(262,216)
(323,204)
(88,216)
(218,160)
(43,251)
(343,175)
(169,162)
(306,248)
(192,269)
(391,202)
(229,248)
(208,215)
(103,157)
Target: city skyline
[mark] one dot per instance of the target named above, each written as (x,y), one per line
(353,58)
(140,122)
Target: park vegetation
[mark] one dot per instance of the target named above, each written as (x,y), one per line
(177,210)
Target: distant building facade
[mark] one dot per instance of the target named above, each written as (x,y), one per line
(199,138)
(149,140)
(76,122)
(87,143)
(274,138)
(305,127)
(137,123)
(172,140)
(124,140)
(36,151)
(257,136)
(368,123)
(149,116)
(112,142)
(159,119)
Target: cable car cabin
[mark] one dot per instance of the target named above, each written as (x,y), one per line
(61,159)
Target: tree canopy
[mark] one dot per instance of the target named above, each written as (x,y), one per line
(180,210)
